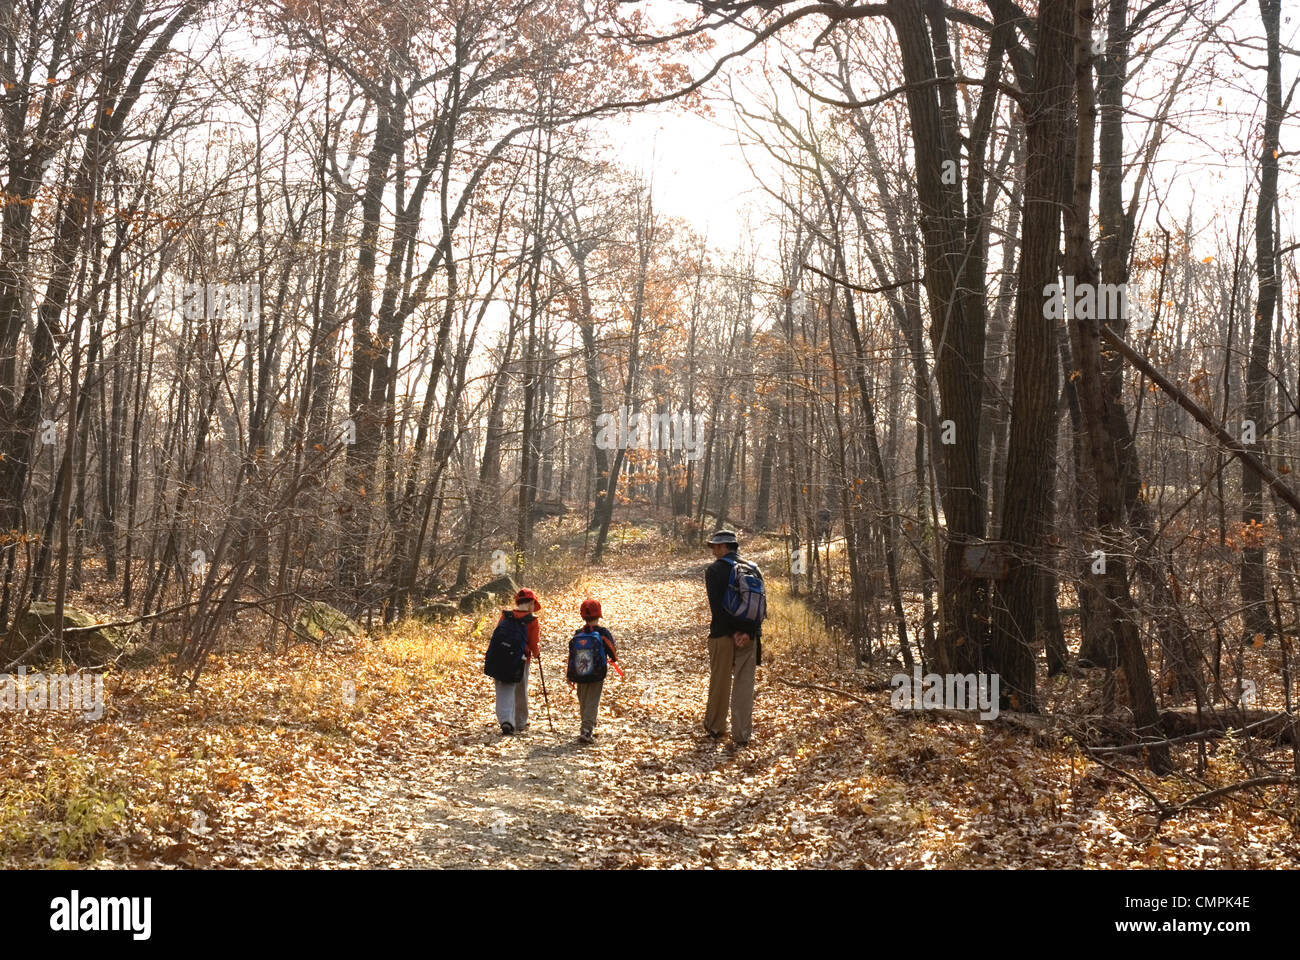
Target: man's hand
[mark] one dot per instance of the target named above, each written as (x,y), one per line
(740,638)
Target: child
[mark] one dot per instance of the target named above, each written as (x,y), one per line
(512,698)
(589,687)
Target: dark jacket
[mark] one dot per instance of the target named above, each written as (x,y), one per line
(721,623)
(609,641)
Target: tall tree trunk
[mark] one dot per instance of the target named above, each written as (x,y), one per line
(1031,447)
(1117,612)
(1254,573)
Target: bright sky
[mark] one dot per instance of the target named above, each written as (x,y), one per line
(697,170)
(700,174)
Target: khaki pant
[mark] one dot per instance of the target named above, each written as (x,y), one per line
(589,703)
(731,680)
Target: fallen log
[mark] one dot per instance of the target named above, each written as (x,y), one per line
(1183,722)
(1116,734)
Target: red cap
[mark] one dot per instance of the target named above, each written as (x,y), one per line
(590,609)
(526,594)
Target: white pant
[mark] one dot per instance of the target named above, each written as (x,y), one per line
(512,701)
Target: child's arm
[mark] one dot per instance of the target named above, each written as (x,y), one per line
(609,642)
(533,647)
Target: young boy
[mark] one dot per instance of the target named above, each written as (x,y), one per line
(512,698)
(589,691)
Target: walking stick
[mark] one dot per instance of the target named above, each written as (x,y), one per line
(544,696)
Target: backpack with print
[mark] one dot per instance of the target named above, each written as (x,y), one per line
(587,657)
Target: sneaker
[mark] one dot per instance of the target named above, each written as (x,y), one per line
(507,729)
(584,738)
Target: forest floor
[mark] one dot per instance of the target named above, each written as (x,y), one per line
(388,755)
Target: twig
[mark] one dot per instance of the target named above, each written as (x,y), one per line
(1206,797)
(1159,804)
(861,289)
(834,690)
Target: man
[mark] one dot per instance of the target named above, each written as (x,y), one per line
(735,649)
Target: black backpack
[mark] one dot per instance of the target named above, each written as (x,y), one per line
(504,659)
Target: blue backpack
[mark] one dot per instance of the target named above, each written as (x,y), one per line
(746,597)
(587,657)
(506,650)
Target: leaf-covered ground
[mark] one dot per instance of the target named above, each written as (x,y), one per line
(388,755)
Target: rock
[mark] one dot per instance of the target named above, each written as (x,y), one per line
(35,629)
(474,599)
(503,588)
(435,611)
(541,509)
(320,621)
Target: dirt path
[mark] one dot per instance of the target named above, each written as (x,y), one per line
(827,781)
(652,788)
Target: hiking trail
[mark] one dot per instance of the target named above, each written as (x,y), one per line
(652,789)
(827,781)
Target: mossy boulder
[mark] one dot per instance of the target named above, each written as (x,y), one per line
(85,641)
(320,621)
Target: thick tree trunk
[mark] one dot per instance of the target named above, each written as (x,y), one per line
(1117,612)
(955,284)
(1031,448)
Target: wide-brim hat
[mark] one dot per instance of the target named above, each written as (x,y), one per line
(723,536)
